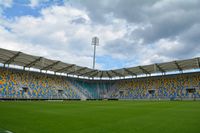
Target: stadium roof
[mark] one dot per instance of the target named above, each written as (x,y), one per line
(29,61)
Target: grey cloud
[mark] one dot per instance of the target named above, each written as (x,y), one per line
(156,20)
(79,20)
(176,21)
(135,11)
(182,51)
(131,10)
(192,35)
(168,18)
(122,47)
(169,25)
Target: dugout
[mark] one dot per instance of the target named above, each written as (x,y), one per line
(191,92)
(152,93)
(24,92)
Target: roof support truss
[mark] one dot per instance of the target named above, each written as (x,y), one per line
(12,58)
(144,71)
(65,68)
(116,73)
(86,73)
(33,62)
(159,68)
(198,62)
(101,74)
(8,57)
(93,74)
(178,66)
(130,72)
(108,74)
(50,66)
(79,70)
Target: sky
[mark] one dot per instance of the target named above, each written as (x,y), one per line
(131,32)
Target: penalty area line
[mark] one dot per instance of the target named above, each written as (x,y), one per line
(5,131)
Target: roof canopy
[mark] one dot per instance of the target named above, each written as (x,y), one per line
(41,63)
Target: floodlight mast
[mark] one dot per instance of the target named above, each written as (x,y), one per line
(95,42)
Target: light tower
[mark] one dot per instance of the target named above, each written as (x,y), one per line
(95,42)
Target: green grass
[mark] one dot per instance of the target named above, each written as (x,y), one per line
(101,117)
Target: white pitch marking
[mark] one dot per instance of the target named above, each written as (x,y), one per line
(8,131)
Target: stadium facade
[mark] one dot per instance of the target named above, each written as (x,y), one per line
(41,78)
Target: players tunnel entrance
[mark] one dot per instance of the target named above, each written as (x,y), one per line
(191,92)
(25,89)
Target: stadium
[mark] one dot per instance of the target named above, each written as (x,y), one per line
(81,83)
(48,86)
(59,80)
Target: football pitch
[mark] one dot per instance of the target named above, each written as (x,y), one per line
(100,117)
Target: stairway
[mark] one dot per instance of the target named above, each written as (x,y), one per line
(79,93)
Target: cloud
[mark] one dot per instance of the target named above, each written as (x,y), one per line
(164,29)
(57,34)
(36,3)
(131,32)
(6,3)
